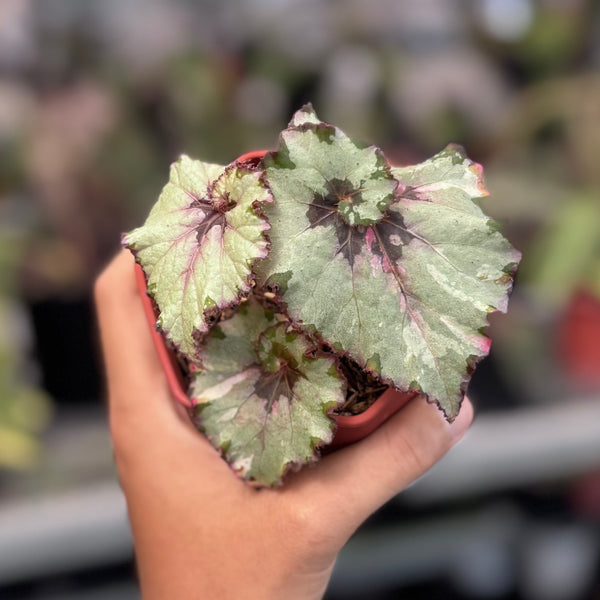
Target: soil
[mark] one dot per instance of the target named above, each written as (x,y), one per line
(363,388)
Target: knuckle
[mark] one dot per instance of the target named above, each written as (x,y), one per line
(122,426)
(405,453)
(303,521)
(311,541)
(118,432)
(411,452)
(126,453)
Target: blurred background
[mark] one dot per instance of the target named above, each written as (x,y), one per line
(98,98)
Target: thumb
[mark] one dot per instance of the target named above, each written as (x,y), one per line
(357,480)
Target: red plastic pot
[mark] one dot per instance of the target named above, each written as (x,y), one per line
(350,429)
(579,339)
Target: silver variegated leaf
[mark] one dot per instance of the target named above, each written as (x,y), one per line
(261,399)
(198,245)
(398,268)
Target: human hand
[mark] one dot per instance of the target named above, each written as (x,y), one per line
(199,531)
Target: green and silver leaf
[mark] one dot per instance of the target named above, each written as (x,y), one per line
(331,171)
(199,244)
(404,278)
(261,399)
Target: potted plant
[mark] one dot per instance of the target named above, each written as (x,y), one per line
(318,274)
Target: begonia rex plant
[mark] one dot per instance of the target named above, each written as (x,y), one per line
(281,282)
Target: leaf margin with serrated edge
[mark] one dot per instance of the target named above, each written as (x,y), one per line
(479,342)
(195,182)
(232,368)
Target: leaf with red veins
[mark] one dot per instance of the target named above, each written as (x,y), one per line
(263,399)
(199,244)
(404,286)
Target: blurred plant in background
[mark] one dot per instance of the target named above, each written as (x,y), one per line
(24,409)
(550,343)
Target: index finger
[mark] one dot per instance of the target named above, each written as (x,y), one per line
(129,356)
